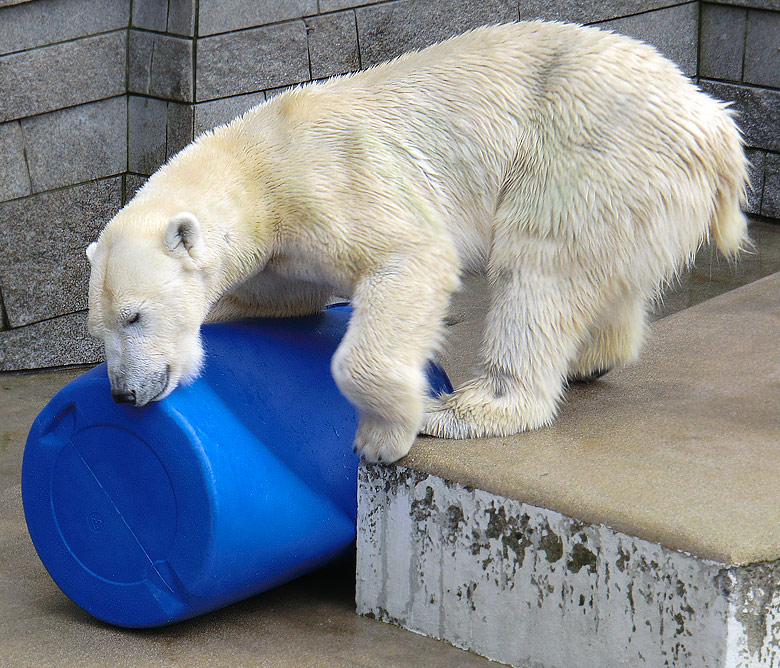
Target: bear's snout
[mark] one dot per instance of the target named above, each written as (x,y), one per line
(124,397)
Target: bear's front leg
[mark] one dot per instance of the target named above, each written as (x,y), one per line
(379,366)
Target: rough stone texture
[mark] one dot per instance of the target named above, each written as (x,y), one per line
(133,183)
(44,272)
(56,342)
(40,23)
(770,205)
(217,16)
(77,144)
(179,127)
(756,158)
(171,16)
(510,581)
(252,60)
(14,178)
(161,66)
(761,4)
(388,30)
(181,17)
(587,11)
(333,5)
(758,111)
(87,69)
(722,41)
(146,142)
(673,31)
(762,49)
(210,114)
(333,46)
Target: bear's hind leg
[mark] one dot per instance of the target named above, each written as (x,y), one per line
(614,340)
(532,331)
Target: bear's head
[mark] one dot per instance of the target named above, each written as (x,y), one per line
(147,300)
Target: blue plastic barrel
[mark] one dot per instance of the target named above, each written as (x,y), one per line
(235,484)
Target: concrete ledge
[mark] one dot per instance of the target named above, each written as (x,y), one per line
(531,587)
(639,530)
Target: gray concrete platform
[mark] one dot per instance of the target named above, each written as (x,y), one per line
(643,526)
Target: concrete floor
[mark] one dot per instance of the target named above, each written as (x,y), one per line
(310,622)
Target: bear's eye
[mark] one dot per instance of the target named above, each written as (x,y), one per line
(133,318)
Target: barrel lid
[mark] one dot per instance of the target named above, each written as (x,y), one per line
(101,506)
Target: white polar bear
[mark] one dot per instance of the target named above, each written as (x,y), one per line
(578,169)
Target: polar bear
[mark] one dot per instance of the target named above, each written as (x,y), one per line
(577,169)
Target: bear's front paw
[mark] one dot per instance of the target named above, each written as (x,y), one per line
(377,441)
(471,412)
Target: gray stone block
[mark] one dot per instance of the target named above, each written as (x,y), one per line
(172,16)
(587,11)
(150,15)
(334,5)
(161,66)
(14,179)
(770,203)
(62,75)
(333,46)
(44,272)
(77,144)
(762,49)
(252,60)
(388,30)
(146,142)
(133,183)
(181,17)
(722,42)
(216,16)
(209,115)
(673,31)
(760,4)
(758,111)
(179,129)
(757,158)
(40,23)
(57,342)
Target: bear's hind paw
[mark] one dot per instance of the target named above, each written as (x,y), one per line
(468,414)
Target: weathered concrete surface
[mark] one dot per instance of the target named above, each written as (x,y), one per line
(533,588)
(641,529)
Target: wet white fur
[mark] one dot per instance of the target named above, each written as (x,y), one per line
(579,169)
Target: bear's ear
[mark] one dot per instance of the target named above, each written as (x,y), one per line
(183,238)
(91,251)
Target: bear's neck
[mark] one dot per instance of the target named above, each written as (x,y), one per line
(212,180)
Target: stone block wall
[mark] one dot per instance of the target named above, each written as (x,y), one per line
(63,157)
(96,94)
(739,61)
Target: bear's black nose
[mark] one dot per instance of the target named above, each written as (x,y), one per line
(124,397)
